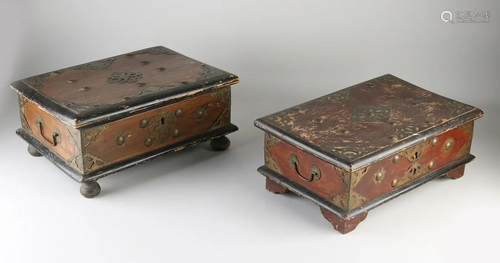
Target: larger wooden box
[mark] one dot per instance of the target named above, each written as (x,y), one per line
(359,147)
(94,119)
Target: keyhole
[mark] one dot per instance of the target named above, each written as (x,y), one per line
(162,120)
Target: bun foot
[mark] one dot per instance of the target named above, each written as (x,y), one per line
(343,225)
(34,152)
(455,174)
(274,187)
(90,189)
(220,144)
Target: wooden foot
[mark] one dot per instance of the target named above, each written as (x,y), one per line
(90,189)
(455,174)
(343,225)
(34,152)
(220,144)
(274,187)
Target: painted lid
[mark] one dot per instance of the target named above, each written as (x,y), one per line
(361,124)
(100,90)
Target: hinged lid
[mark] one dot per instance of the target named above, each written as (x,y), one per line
(356,126)
(111,88)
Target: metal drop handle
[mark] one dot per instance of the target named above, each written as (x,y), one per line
(56,137)
(314,170)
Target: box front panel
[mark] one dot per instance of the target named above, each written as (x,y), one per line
(62,139)
(124,139)
(351,189)
(414,162)
(318,176)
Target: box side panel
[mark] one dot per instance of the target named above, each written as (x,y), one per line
(148,131)
(62,139)
(414,162)
(322,178)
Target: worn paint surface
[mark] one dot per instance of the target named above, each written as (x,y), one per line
(365,118)
(120,79)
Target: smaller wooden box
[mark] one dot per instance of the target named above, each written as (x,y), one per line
(95,119)
(357,148)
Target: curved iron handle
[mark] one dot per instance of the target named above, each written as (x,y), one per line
(314,170)
(55,134)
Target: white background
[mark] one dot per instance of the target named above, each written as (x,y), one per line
(202,206)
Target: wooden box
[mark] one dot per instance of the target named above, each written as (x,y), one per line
(357,148)
(98,118)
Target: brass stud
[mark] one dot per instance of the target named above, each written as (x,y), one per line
(141,84)
(200,113)
(175,133)
(161,69)
(71,81)
(295,109)
(120,140)
(378,176)
(434,141)
(143,123)
(148,142)
(431,164)
(394,182)
(178,112)
(57,72)
(184,82)
(144,62)
(448,145)
(126,98)
(129,55)
(84,88)
(395,159)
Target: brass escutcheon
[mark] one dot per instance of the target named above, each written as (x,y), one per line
(160,125)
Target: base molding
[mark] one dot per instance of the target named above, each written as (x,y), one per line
(345,221)
(77,176)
